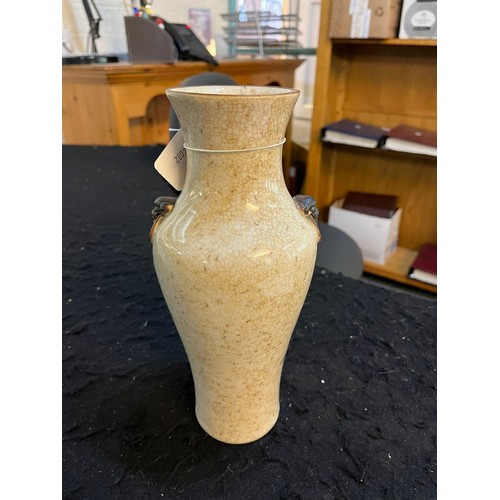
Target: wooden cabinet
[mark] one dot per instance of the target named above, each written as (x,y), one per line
(384,83)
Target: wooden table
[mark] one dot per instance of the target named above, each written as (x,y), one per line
(125,104)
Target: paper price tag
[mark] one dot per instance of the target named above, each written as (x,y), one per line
(171,164)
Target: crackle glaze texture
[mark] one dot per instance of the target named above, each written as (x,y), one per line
(235,257)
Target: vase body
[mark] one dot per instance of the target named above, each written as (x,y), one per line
(235,256)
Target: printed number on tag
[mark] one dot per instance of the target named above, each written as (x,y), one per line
(171,164)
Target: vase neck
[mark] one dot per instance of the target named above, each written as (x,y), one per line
(235,173)
(232,117)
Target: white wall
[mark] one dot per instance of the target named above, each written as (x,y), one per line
(112,27)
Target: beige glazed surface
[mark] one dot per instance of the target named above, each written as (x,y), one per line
(235,257)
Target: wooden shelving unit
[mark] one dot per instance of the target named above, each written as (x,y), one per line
(385,83)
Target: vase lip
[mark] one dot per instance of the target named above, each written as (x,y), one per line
(233,90)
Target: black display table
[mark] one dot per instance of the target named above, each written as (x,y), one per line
(358,392)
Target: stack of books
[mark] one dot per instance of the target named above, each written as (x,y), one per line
(379,205)
(424,267)
(411,140)
(403,137)
(353,133)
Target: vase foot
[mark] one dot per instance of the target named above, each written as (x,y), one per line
(244,434)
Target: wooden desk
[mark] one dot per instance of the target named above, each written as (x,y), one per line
(125,104)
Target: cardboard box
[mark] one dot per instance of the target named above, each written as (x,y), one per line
(377,237)
(364,18)
(418,19)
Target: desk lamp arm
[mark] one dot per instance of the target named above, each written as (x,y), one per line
(93,22)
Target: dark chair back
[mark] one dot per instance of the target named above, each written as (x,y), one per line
(338,252)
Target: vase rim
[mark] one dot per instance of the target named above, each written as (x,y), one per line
(233,90)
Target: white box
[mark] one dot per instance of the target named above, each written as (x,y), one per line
(418,19)
(377,237)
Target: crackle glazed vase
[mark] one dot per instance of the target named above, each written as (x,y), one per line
(234,254)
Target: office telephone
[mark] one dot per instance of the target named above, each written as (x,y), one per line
(187,43)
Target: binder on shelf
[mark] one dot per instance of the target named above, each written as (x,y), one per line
(353,133)
(424,267)
(409,139)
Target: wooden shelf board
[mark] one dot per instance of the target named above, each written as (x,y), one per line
(380,150)
(387,41)
(396,268)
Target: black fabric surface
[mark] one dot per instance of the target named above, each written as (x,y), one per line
(358,391)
